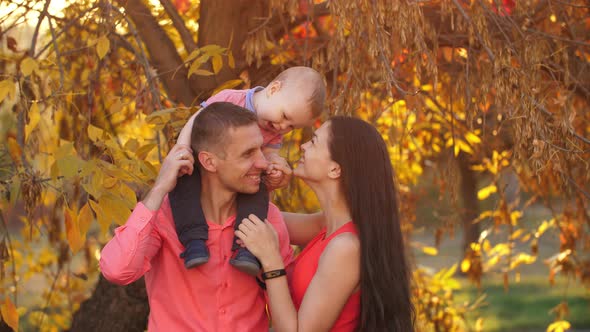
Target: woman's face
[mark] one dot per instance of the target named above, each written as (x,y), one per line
(316,163)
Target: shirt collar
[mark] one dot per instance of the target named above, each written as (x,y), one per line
(249,94)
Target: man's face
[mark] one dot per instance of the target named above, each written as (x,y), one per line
(242,167)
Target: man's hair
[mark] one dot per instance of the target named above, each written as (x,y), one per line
(309,80)
(212,124)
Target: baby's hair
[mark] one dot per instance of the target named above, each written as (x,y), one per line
(306,78)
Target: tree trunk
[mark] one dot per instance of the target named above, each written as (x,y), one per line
(470,203)
(113,308)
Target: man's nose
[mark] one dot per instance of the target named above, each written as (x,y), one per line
(261,162)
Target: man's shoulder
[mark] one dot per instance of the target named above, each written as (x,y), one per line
(275,217)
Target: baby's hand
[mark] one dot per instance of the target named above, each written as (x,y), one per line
(278,173)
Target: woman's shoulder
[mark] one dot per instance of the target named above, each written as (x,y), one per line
(344,247)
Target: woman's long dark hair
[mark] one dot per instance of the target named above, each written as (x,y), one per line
(369,187)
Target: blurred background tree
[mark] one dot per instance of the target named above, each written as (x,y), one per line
(484,105)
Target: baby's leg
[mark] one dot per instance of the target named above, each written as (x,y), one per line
(191,226)
(256,204)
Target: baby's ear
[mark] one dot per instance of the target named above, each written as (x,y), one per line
(274,87)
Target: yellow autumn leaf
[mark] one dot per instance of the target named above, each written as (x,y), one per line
(227,85)
(144,150)
(464,146)
(212,49)
(128,195)
(34,117)
(115,210)
(202,72)
(102,46)
(103,220)
(514,216)
(217,63)
(432,251)
(485,192)
(479,325)
(14,150)
(94,133)
(7,88)
(544,226)
(84,220)
(195,65)
(559,326)
(231,62)
(109,182)
(68,166)
(9,314)
(73,231)
(472,138)
(28,66)
(465,265)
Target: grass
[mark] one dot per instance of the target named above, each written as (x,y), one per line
(527,305)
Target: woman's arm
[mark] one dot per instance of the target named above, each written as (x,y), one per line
(336,278)
(303,227)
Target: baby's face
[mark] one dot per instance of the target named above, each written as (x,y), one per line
(286,112)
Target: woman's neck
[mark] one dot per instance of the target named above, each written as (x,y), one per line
(336,210)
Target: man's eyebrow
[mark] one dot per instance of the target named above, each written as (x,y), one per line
(250,150)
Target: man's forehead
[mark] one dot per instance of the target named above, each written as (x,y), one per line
(243,138)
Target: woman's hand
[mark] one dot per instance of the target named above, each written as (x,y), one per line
(262,240)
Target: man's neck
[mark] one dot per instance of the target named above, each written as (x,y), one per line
(218,204)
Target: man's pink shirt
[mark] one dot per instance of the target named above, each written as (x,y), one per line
(212,297)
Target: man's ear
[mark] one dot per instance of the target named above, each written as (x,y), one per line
(207,160)
(335,171)
(273,87)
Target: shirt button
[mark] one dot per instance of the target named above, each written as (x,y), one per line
(222,311)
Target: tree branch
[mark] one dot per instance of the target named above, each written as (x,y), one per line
(178,22)
(36,33)
(162,51)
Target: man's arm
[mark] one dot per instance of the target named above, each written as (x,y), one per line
(303,227)
(276,220)
(127,256)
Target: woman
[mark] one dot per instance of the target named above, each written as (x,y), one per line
(352,274)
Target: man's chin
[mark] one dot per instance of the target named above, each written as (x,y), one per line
(249,190)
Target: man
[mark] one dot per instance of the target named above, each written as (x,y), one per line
(214,296)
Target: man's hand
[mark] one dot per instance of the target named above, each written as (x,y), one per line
(178,162)
(278,173)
